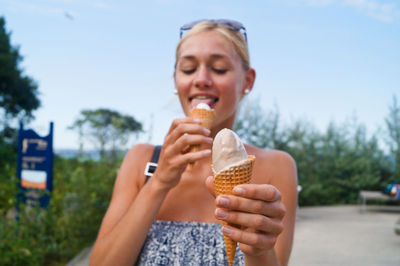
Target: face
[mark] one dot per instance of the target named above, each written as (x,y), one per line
(209,70)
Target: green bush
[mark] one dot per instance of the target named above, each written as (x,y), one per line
(333,166)
(8,180)
(53,236)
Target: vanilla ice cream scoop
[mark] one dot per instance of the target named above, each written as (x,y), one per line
(227,150)
(203,106)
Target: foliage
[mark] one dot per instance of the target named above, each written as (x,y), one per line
(257,127)
(106,129)
(53,236)
(8,188)
(333,166)
(393,127)
(18,92)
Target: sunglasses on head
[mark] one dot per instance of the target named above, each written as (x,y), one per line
(231,24)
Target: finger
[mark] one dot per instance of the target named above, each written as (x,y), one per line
(250,220)
(186,129)
(210,185)
(179,121)
(254,239)
(186,140)
(273,209)
(175,124)
(191,157)
(186,149)
(263,192)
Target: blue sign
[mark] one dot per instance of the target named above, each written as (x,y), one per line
(35,166)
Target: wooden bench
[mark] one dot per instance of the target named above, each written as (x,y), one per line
(365,195)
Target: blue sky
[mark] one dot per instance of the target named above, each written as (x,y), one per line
(322,61)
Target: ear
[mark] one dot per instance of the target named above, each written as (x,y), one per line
(249,79)
(175,78)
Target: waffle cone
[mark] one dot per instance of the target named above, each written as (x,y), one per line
(224,182)
(206,117)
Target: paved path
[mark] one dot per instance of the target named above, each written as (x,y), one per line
(344,236)
(333,236)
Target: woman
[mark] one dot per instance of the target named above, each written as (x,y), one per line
(157,221)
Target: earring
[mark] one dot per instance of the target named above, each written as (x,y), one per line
(246,91)
(175,91)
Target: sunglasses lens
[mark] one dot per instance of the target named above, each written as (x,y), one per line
(231,24)
(190,25)
(235,25)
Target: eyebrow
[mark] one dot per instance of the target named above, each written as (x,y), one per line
(213,57)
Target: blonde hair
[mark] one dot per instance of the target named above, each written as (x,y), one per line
(233,36)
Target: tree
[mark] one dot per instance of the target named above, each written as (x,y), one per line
(259,128)
(333,166)
(393,127)
(18,92)
(105,129)
(18,99)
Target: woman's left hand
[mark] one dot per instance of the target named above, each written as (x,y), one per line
(257,210)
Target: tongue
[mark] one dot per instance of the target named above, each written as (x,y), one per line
(209,102)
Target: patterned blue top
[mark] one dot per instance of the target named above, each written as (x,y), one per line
(186,243)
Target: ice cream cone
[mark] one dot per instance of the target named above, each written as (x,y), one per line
(206,117)
(224,182)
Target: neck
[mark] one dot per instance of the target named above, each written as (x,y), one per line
(226,124)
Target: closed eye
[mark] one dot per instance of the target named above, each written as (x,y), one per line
(220,71)
(188,71)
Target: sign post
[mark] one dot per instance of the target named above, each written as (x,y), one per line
(35,167)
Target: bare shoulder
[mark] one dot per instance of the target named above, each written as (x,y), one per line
(139,150)
(138,153)
(129,181)
(273,166)
(134,163)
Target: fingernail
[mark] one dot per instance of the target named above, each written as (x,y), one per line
(196,120)
(209,140)
(222,201)
(227,231)
(220,213)
(206,131)
(239,191)
(207,152)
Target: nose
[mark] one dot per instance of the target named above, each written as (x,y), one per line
(203,79)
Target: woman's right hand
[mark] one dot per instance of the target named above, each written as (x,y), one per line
(175,154)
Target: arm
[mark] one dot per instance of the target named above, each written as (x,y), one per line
(287,185)
(129,216)
(134,206)
(266,211)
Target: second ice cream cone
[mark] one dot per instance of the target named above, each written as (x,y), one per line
(224,182)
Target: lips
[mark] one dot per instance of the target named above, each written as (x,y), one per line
(209,100)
